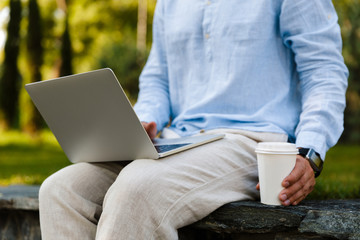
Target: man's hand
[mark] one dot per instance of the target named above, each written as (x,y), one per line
(150,128)
(298,184)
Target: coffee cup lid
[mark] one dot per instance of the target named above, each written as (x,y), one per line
(278,153)
(276,147)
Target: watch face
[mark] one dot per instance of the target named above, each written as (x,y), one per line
(314,158)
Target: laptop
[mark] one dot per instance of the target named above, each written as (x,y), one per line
(93,120)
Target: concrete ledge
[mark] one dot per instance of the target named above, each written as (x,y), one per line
(328,219)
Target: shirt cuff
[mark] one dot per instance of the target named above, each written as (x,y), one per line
(314,140)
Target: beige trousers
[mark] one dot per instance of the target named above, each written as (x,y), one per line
(150,199)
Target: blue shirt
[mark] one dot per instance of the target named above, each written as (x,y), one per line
(265,65)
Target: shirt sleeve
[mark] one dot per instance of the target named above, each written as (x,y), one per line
(310,29)
(153,101)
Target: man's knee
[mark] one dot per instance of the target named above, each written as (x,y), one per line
(50,189)
(138,179)
(56,185)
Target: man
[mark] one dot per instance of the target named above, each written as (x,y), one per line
(267,70)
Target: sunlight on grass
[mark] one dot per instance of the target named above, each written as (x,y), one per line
(15,137)
(22,179)
(26,159)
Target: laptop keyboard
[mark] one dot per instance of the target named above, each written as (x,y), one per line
(165,148)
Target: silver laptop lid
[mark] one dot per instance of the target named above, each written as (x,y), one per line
(91,117)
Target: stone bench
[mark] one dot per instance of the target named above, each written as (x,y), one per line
(19,213)
(329,219)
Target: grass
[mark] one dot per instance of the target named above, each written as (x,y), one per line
(28,159)
(340,178)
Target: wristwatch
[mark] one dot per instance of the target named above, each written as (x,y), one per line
(314,159)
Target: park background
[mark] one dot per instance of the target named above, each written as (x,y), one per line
(44,39)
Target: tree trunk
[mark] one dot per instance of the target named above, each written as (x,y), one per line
(10,78)
(141,26)
(66,48)
(34,60)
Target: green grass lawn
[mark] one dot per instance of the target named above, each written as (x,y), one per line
(29,160)
(340,178)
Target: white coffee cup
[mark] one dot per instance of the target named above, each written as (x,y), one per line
(276,160)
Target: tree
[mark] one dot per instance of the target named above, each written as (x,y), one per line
(66,49)
(141,26)
(34,59)
(10,78)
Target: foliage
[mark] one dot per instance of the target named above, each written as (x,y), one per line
(126,62)
(349,20)
(103,23)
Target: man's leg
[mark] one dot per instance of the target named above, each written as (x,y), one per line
(151,199)
(71,200)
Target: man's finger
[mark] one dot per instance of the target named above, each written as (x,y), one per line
(306,188)
(150,128)
(298,184)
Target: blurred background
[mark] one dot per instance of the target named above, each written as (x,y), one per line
(44,39)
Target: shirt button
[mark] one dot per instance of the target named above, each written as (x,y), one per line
(208,2)
(207,36)
(202,131)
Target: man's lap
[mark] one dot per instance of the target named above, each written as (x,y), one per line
(174,191)
(209,161)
